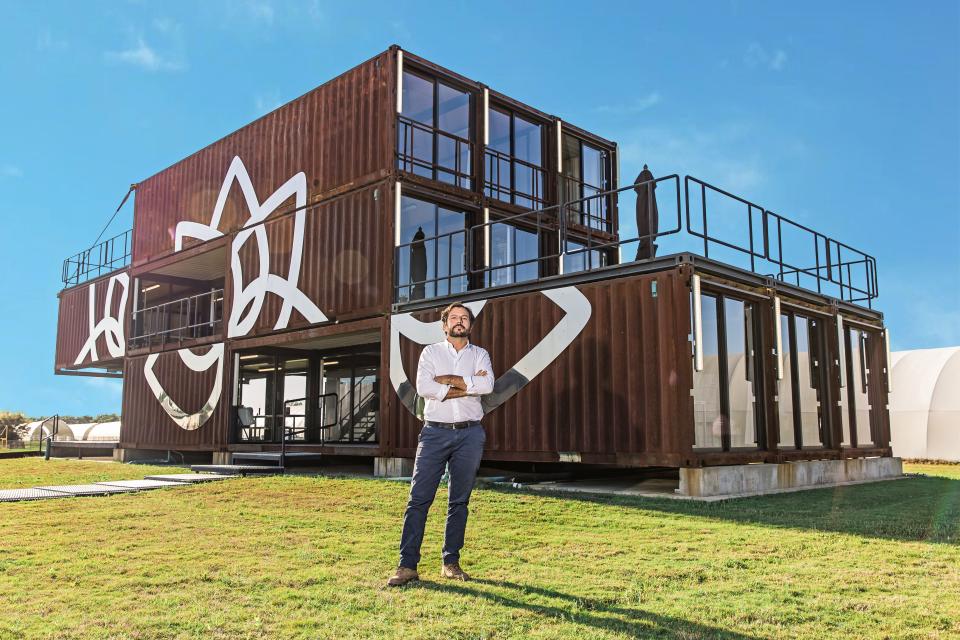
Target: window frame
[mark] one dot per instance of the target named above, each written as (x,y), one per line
(407,163)
(491,189)
(472,246)
(757,366)
(791,349)
(606,221)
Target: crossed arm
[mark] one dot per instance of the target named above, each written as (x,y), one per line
(447,387)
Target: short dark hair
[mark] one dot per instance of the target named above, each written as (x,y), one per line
(451,307)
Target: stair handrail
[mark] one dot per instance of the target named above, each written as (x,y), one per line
(53,433)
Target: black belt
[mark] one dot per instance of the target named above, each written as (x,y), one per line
(452,425)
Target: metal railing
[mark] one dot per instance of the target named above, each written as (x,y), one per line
(505,188)
(52,435)
(442,145)
(768,243)
(103,258)
(196,316)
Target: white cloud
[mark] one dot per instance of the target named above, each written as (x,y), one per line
(758,56)
(640,104)
(47,42)
(144,56)
(10,171)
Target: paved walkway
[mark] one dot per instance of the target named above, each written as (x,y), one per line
(109,487)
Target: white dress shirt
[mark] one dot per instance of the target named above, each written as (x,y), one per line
(442,359)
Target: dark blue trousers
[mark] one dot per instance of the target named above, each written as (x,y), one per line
(461,449)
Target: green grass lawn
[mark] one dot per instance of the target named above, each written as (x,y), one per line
(306,557)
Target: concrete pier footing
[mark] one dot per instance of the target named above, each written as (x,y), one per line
(757,479)
(392,467)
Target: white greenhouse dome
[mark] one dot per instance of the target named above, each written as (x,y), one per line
(925,404)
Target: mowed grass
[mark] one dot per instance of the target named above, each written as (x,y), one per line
(307,557)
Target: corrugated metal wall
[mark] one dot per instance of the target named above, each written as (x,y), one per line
(146,425)
(621,387)
(346,262)
(73,321)
(337,134)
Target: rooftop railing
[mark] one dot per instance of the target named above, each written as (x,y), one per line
(698,218)
(103,258)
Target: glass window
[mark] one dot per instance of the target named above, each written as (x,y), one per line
(785,389)
(738,317)
(585,176)
(807,381)
(527,143)
(576,259)
(707,416)
(417,98)
(431,258)
(514,159)
(799,391)
(499,131)
(433,133)
(858,381)
(509,246)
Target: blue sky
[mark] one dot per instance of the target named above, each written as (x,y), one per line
(845,116)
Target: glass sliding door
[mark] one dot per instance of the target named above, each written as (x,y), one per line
(294,398)
(856,410)
(738,321)
(800,393)
(707,414)
(349,401)
(724,391)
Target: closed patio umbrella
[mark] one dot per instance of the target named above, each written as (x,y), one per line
(648,219)
(418,265)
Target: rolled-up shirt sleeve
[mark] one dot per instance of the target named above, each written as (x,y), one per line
(481,385)
(427,387)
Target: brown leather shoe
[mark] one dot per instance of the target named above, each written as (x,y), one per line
(453,571)
(402,577)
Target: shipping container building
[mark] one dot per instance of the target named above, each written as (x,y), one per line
(278,286)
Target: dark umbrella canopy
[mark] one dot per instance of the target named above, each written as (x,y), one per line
(418,265)
(648,218)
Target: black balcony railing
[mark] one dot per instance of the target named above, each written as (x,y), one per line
(197,316)
(513,180)
(110,255)
(433,153)
(717,224)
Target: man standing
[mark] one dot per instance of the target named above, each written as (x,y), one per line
(451,376)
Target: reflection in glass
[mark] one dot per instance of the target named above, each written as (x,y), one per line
(706,383)
(527,144)
(417,98)
(739,329)
(509,246)
(577,259)
(807,383)
(785,389)
(295,398)
(858,381)
(429,262)
(499,123)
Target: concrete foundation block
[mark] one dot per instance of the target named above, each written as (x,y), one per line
(757,479)
(222,457)
(132,455)
(392,467)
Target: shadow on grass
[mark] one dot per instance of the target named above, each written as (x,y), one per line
(918,508)
(581,610)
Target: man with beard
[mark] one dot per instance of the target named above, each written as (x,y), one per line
(451,377)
